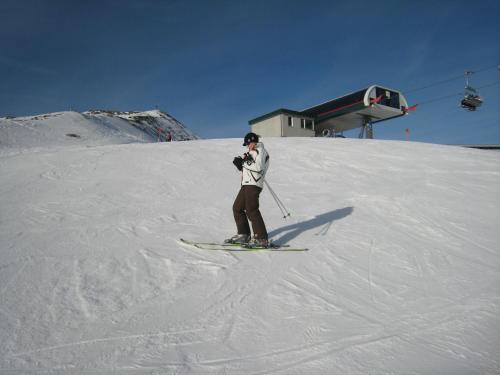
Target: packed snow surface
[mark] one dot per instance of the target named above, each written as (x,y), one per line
(402,275)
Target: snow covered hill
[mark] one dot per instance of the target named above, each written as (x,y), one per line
(402,276)
(93,128)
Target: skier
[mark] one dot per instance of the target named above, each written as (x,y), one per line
(253,165)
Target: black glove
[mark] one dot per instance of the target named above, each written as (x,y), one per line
(247,158)
(238,162)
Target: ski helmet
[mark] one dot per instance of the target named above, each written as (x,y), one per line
(249,138)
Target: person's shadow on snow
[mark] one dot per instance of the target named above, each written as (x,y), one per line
(325,220)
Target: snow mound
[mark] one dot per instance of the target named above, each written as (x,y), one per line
(93,128)
(155,123)
(401,277)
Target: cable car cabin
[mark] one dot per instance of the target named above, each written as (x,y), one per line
(359,109)
(370,105)
(471,99)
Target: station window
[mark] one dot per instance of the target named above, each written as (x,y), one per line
(303,123)
(308,124)
(389,98)
(290,121)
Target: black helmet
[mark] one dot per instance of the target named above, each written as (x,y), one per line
(249,138)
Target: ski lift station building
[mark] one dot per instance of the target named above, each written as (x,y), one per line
(360,109)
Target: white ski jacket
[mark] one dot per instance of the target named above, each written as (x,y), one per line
(254,171)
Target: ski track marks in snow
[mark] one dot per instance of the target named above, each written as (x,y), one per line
(402,275)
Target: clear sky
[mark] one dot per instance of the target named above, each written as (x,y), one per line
(214,65)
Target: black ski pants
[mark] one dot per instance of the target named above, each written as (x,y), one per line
(246,207)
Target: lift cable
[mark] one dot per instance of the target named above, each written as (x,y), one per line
(452,78)
(455,94)
(488,85)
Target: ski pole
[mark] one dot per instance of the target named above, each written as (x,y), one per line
(277,200)
(283,211)
(280,204)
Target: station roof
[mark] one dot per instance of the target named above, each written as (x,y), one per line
(281,111)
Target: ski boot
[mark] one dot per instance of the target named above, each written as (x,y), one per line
(258,242)
(240,239)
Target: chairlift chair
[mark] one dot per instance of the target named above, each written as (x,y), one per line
(471,100)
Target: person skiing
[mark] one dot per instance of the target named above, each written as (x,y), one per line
(253,166)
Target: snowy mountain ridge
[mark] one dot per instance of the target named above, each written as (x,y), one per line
(152,121)
(91,128)
(401,277)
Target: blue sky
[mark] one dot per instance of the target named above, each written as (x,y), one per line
(214,65)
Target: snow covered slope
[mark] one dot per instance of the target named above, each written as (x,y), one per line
(402,276)
(95,128)
(151,121)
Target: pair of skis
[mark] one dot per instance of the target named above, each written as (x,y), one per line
(238,247)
